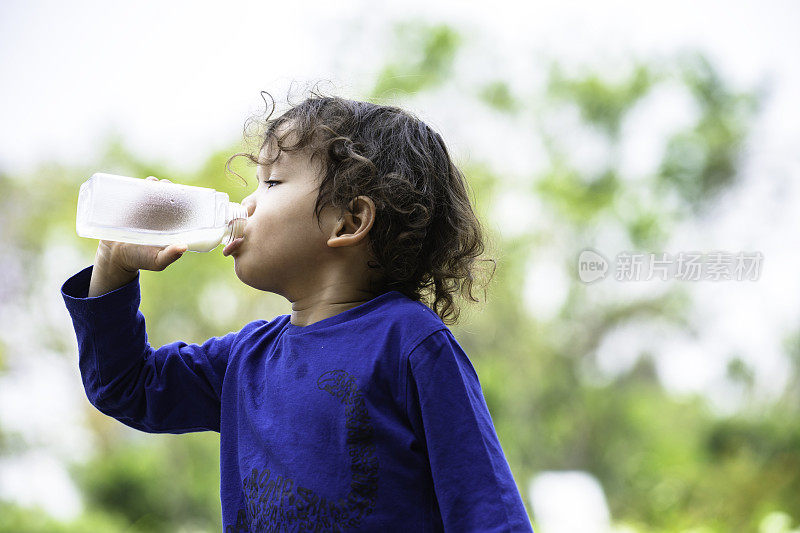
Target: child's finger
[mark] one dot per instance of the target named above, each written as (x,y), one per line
(176,250)
(169,255)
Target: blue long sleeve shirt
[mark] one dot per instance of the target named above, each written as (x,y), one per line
(369,420)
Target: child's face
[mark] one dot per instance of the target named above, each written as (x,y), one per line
(284,250)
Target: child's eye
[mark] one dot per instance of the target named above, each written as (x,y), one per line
(271,182)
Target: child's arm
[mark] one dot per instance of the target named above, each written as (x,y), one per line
(175,388)
(474,485)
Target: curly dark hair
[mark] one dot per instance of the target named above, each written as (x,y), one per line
(426,240)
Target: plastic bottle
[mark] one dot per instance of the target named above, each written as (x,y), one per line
(140,211)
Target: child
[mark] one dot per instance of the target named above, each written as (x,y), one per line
(359,410)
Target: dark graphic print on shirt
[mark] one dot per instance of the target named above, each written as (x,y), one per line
(274,501)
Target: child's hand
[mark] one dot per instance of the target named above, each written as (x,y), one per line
(130,257)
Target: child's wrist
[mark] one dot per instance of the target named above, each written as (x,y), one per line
(108,276)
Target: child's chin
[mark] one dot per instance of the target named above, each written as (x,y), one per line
(244,275)
(237,268)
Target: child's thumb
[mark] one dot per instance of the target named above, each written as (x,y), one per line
(169,255)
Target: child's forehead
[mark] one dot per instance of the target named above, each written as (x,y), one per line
(270,150)
(268,153)
(293,162)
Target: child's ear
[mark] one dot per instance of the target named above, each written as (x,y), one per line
(354,224)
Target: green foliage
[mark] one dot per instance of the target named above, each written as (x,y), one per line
(156,484)
(602,103)
(423,59)
(482,184)
(576,198)
(702,161)
(16,519)
(498,95)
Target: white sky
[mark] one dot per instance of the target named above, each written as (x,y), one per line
(178,79)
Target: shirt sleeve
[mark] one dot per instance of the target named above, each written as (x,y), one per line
(172,389)
(472,480)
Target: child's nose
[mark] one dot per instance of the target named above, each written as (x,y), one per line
(249,204)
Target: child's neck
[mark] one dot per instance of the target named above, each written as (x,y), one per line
(327,303)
